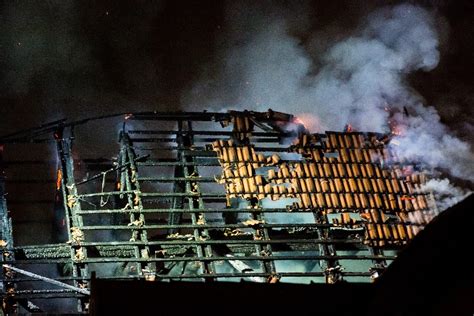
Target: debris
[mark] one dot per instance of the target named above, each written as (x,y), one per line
(376,271)
(258,235)
(234,232)
(160,253)
(71,201)
(77,235)
(138,223)
(79,255)
(253,222)
(219,180)
(200,220)
(149,274)
(179,236)
(273,160)
(334,274)
(8,272)
(125,207)
(274,278)
(136,200)
(243,268)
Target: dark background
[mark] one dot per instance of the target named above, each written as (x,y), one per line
(85,58)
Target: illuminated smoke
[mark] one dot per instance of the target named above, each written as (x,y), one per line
(361,79)
(266,67)
(445,193)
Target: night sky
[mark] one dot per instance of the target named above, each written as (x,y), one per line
(85,58)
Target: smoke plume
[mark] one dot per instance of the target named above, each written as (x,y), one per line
(445,193)
(361,79)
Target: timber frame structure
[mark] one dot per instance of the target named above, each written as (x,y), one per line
(212,197)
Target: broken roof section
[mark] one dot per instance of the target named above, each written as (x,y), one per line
(216,196)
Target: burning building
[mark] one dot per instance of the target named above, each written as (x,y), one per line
(202,197)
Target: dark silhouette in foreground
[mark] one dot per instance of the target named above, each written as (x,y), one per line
(433,276)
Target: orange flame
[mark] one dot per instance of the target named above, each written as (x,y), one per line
(298,120)
(59,179)
(311,122)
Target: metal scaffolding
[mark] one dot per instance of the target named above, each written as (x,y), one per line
(246,195)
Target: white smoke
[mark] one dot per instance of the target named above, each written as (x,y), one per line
(361,80)
(268,67)
(445,193)
(427,139)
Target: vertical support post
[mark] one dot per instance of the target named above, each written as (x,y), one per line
(242,130)
(72,206)
(191,171)
(178,186)
(267,265)
(330,267)
(379,265)
(130,177)
(9,302)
